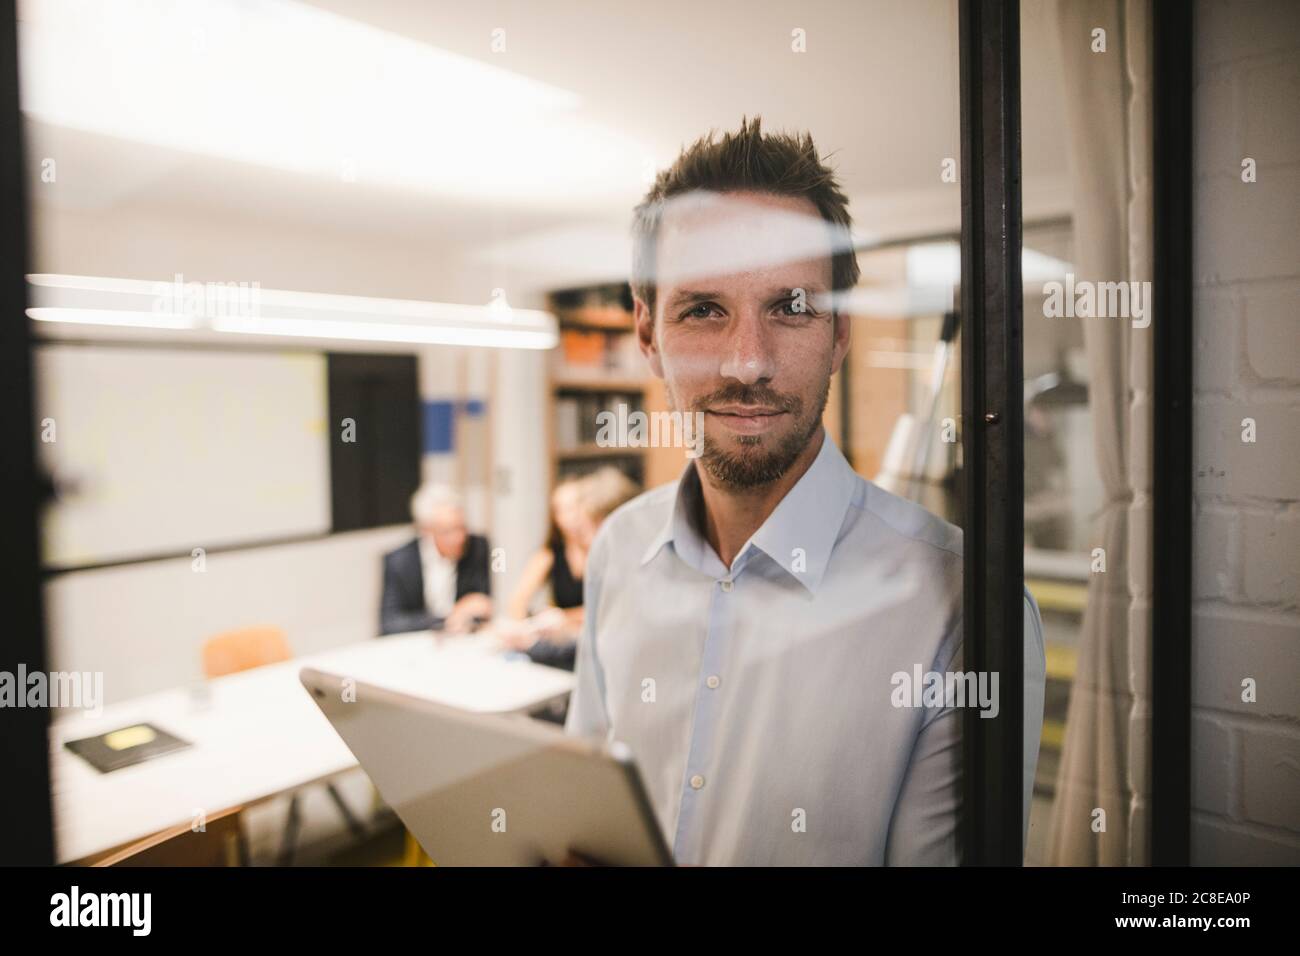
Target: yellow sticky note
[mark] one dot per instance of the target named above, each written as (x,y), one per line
(129,737)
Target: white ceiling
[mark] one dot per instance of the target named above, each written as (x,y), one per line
(877,88)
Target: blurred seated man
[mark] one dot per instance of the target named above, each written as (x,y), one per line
(440,580)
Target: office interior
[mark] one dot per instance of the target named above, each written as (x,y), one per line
(429,206)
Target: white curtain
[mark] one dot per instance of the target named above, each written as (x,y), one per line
(1106,754)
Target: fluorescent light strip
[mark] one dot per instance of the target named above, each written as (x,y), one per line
(134,303)
(388,332)
(135,320)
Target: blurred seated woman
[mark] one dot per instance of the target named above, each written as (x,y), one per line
(578,506)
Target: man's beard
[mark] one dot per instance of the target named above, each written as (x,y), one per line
(755,465)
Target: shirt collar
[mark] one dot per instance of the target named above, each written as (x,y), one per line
(798,535)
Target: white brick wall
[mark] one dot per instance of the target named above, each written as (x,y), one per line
(1246,611)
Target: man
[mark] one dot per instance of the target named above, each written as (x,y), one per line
(440,580)
(746,626)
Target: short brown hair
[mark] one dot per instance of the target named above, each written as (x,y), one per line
(783,164)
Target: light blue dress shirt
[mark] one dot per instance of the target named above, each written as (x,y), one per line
(761,701)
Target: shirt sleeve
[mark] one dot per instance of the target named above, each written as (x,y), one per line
(924,829)
(1035,691)
(587,715)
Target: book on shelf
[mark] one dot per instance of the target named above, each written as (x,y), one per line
(586,354)
(577,417)
(567,430)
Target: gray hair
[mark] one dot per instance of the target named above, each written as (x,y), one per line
(430,499)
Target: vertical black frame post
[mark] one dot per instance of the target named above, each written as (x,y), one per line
(26,834)
(1171,477)
(992,304)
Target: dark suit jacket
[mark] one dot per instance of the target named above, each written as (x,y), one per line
(402,607)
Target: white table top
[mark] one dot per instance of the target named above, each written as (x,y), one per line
(259,733)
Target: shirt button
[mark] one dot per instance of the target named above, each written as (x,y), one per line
(726,585)
(696,782)
(712,681)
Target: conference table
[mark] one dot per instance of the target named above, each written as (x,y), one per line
(258,734)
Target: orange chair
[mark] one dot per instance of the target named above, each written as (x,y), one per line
(236,651)
(242,650)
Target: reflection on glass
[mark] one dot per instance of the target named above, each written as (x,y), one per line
(1087,381)
(343,345)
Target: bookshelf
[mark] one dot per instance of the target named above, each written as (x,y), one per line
(597,367)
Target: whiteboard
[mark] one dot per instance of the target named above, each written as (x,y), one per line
(159,451)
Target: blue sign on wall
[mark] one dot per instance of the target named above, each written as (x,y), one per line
(440,422)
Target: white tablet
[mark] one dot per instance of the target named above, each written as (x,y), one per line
(492,789)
